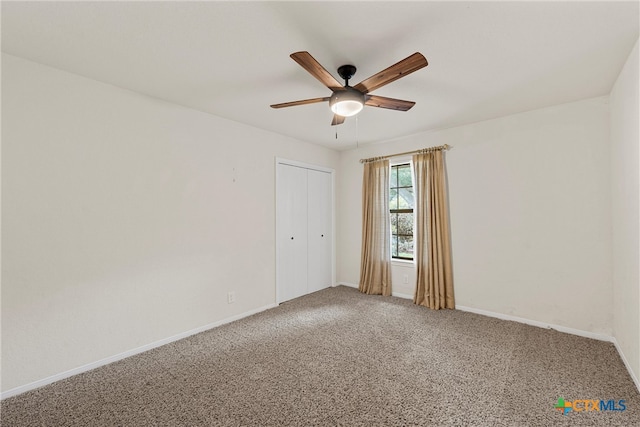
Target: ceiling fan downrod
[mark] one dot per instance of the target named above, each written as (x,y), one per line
(347,101)
(346,72)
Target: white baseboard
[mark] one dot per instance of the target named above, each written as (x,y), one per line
(626,363)
(49,380)
(403,296)
(572,331)
(393,294)
(75,371)
(539,324)
(350,285)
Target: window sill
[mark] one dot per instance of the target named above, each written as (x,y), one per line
(402,262)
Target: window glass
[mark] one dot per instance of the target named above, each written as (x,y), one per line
(401,204)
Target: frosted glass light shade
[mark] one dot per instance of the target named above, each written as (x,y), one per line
(347,103)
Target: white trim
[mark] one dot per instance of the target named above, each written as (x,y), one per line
(626,363)
(350,285)
(399,295)
(539,324)
(404,263)
(102,362)
(90,366)
(399,160)
(393,294)
(280,160)
(332,172)
(572,331)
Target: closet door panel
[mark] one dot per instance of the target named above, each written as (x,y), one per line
(291,215)
(319,230)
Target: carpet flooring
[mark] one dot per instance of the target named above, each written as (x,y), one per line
(341,358)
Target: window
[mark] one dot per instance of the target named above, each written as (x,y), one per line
(401,211)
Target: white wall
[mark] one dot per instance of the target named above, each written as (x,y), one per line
(625,202)
(530,214)
(126,219)
(118,232)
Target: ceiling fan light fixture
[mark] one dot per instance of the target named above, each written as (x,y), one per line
(347,103)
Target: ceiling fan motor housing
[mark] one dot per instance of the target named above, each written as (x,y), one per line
(347,102)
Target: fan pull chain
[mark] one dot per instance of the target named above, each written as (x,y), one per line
(357,137)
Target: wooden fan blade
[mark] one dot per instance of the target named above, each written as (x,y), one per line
(337,120)
(302,102)
(314,68)
(400,69)
(390,103)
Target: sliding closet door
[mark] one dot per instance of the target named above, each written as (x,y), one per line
(319,230)
(291,212)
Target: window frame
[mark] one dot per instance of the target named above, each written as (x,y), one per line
(396,164)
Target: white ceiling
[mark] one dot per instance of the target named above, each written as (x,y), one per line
(231,59)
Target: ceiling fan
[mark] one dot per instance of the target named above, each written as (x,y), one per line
(346,100)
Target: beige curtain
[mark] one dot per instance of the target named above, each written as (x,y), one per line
(375,263)
(434,287)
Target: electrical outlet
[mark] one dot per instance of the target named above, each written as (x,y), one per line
(231,297)
(406,279)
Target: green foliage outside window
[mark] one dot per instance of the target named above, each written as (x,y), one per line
(401,203)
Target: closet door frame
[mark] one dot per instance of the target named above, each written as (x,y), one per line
(279,161)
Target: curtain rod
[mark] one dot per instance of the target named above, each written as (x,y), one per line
(421,151)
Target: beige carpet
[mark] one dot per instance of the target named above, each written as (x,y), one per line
(341,358)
